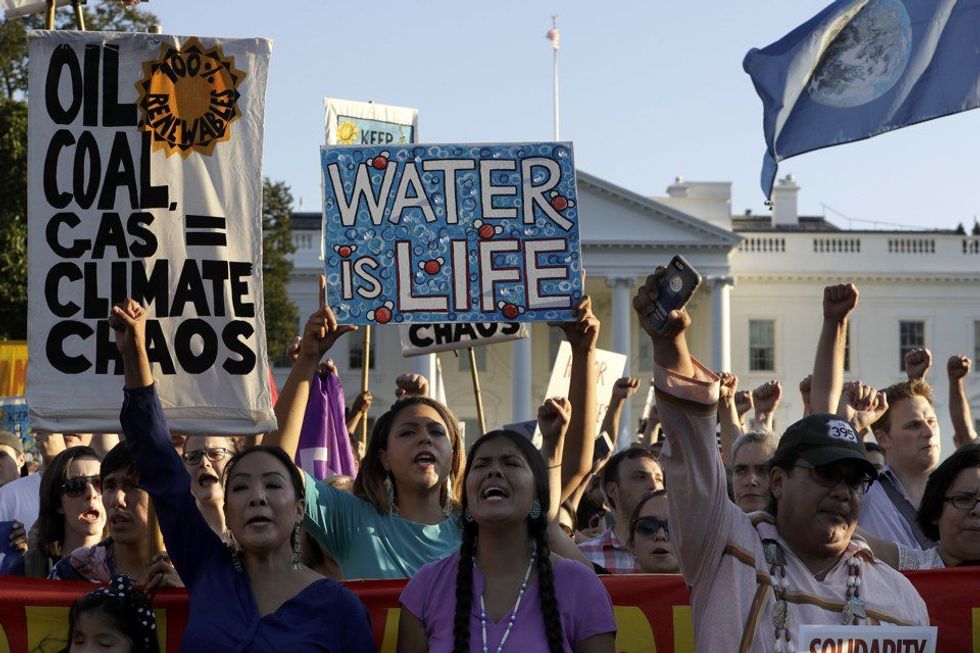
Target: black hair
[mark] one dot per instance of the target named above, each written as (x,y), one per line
(610,474)
(295,476)
(537,529)
(118,458)
(122,615)
(784,461)
(873,446)
(934,495)
(51,523)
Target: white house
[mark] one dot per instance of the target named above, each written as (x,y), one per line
(758,312)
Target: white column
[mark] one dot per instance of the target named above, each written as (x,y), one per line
(622,319)
(521,378)
(426,366)
(721,323)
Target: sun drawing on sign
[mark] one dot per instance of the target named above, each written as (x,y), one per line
(347,133)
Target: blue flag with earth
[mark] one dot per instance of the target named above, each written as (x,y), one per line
(863,67)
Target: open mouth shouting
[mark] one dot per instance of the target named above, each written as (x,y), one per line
(425,461)
(91,516)
(207,479)
(493,493)
(259,521)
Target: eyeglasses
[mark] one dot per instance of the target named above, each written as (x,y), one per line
(214,455)
(78,485)
(649,526)
(831,475)
(964,502)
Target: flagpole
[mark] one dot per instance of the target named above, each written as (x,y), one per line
(365,375)
(476,391)
(552,36)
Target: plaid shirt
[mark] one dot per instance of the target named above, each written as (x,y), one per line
(606,551)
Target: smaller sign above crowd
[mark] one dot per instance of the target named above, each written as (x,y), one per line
(418,339)
(609,367)
(451,233)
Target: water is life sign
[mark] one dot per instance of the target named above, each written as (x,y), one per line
(451,233)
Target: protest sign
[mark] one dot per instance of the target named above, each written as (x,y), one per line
(144,182)
(653,611)
(18,8)
(349,122)
(609,366)
(867,639)
(13,368)
(451,233)
(420,339)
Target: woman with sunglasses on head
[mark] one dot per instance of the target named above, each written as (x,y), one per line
(649,539)
(511,593)
(71,513)
(255,596)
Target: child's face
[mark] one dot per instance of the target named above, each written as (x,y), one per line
(93,632)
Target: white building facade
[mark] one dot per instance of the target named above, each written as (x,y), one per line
(757,314)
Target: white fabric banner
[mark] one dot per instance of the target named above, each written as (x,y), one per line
(418,339)
(18,8)
(145,180)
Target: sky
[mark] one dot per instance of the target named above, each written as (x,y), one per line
(649,91)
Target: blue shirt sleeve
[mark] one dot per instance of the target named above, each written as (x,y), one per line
(191,543)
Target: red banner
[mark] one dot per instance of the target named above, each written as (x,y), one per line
(652,612)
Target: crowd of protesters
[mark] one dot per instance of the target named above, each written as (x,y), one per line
(503,544)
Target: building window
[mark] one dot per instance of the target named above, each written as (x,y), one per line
(911,335)
(976,344)
(464,359)
(762,345)
(555,337)
(356,359)
(847,347)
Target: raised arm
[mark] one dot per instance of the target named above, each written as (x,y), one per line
(319,335)
(862,406)
(766,399)
(731,426)
(687,396)
(959,408)
(828,364)
(582,335)
(917,363)
(623,389)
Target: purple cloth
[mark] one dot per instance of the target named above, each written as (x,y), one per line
(324,446)
(583,604)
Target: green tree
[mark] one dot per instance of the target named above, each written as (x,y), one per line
(101,15)
(281,316)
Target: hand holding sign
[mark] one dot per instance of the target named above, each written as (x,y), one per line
(321,330)
(582,333)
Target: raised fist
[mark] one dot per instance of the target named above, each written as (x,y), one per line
(728,386)
(917,363)
(839,301)
(767,397)
(625,387)
(408,385)
(958,366)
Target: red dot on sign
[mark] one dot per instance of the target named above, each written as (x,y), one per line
(510,311)
(344,251)
(379,162)
(485,231)
(559,203)
(382,315)
(432,267)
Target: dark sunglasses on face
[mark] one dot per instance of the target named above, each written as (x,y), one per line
(649,526)
(214,455)
(78,485)
(831,475)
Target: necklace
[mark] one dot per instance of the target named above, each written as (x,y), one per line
(782,622)
(513,614)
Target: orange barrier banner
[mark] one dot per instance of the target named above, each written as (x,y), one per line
(652,612)
(13,368)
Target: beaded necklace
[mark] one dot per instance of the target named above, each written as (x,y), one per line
(781,620)
(513,614)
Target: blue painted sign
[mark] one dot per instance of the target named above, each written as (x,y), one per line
(451,233)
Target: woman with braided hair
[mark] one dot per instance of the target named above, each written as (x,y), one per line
(512,593)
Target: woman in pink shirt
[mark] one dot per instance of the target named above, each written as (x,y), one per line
(511,593)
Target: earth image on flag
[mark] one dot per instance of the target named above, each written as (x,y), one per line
(866,58)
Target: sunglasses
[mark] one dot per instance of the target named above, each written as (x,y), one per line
(77,486)
(831,475)
(649,526)
(214,455)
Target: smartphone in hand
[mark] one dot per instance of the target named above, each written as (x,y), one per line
(603,445)
(676,287)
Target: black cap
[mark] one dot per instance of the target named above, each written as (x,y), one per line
(821,439)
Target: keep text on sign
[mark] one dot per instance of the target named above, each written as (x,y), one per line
(451,233)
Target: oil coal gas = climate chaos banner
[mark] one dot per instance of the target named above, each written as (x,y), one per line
(451,233)
(653,613)
(144,181)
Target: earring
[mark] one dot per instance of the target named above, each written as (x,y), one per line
(296,562)
(236,558)
(390,492)
(467,516)
(535,510)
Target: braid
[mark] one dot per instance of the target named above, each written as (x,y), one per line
(546,587)
(464,590)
